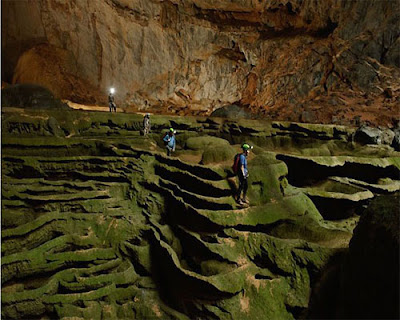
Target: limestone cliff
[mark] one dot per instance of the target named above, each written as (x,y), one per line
(289,59)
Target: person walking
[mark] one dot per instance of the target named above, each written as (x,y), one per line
(243,174)
(170,141)
(146,124)
(111,102)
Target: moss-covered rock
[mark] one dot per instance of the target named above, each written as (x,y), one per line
(200,143)
(99,223)
(364,282)
(217,153)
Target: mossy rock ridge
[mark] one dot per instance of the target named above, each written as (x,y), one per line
(101,224)
(303,170)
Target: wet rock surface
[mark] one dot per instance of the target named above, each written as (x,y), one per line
(98,222)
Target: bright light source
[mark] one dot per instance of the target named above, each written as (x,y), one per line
(112,90)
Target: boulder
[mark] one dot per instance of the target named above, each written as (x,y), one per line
(267,178)
(217,153)
(214,149)
(201,143)
(368,135)
(387,136)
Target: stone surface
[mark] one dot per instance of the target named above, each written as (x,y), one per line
(368,135)
(385,185)
(364,282)
(387,136)
(374,251)
(336,200)
(98,232)
(232,111)
(334,59)
(99,223)
(30,96)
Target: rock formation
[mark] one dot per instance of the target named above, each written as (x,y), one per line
(366,285)
(310,61)
(98,223)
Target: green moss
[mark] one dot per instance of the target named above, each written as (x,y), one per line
(217,153)
(202,142)
(322,151)
(96,225)
(286,208)
(266,179)
(214,267)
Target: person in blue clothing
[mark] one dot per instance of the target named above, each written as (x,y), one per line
(243,174)
(170,141)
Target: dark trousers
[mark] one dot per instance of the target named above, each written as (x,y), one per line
(169,150)
(242,186)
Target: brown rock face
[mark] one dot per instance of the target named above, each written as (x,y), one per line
(55,69)
(285,59)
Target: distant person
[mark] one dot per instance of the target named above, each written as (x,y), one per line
(243,174)
(146,124)
(170,141)
(111,102)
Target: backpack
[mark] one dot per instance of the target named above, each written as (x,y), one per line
(235,166)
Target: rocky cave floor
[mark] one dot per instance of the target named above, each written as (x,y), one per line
(98,223)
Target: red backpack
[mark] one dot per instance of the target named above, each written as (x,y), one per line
(235,166)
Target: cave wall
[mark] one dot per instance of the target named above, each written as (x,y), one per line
(197,55)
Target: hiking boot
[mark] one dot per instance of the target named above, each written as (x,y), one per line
(241,203)
(245,200)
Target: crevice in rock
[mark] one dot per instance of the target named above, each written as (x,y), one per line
(196,170)
(195,251)
(304,172)
(269,33)
(232,54)
(194,200)
(263,261)
(263,277)
(179,213)
(297,311)
(126,11)
(191,183)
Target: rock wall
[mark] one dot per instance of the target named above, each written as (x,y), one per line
(279,57)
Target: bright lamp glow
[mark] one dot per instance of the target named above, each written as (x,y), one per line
(112,90)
